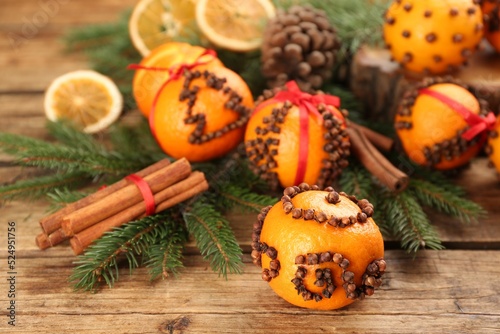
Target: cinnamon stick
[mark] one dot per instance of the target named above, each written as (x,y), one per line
(179,192)
(124,198)
(375,162)
(42,241)
(380,141)
(52,222)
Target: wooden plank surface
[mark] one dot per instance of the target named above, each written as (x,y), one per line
(437,290)
(451,291)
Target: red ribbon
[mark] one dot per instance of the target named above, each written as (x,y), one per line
(477,123)
(175,72)
(307,104)
(146,193)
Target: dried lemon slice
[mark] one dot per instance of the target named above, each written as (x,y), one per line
(86,98)
(154,22)
(233,24)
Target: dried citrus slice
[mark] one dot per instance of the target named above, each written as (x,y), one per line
(233,24)
(154,22)
(86,98)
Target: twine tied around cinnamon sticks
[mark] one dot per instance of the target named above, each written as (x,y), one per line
(151,190)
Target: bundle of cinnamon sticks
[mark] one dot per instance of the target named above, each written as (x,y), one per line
(88,219)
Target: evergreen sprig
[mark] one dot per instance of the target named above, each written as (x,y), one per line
(409,223)
(60,197)
(75,159)
(401,216)
(54,156)
(165,257)
(132,241)
(37,187)
(446,201)
(214,237)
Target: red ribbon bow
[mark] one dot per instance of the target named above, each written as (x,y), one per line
(175,72)
(477,123)
(307,104)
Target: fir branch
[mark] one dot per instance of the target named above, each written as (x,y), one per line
(90,158)
(38,187)
(243,198)
(233,170)
(446,201)
(100,261)
(435,177)
(69,135)
(214,237)
(136,143)
(59,197)
(62,158)
(15,144)
(165,256)
(357,181)
(409,223)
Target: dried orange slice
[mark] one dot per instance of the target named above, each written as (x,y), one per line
(86,98)
(232,24)
(154,22)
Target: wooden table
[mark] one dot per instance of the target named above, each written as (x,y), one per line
(450,291)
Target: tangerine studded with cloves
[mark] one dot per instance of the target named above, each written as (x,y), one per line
(274,134)
(433,36)
(153,71)
(431,131)
(319,249)
(202,115)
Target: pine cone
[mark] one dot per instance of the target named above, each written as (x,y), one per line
(299,44)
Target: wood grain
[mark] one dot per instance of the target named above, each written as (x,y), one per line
(450,291)
(32,54)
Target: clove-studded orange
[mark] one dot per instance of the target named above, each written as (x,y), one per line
(491,11)
(433,35)
(441,124)
(201,114)
(295,137)
(493,147)
(319,249)
(153,70)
